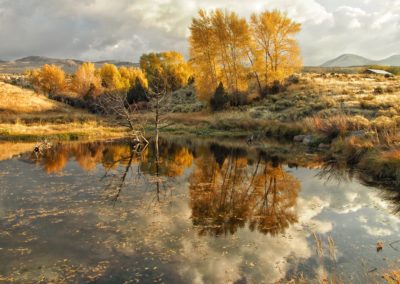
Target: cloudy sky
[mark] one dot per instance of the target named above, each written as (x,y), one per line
(124,29)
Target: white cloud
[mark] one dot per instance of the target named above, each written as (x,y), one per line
(91,29)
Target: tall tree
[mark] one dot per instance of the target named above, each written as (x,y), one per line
(277,51)
(225,48)
(203,55)
(219,42)
(232,36)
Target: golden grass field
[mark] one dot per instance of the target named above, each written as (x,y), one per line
(26,115)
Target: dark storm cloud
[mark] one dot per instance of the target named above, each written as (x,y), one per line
(124,29)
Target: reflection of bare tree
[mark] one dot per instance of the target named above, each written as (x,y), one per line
(117,180)
(159,161)
(225,197)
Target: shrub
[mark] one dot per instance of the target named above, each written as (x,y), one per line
(219,100)
(358,122)
(276,88)
(292,79)
(378,91)
(137,93)
(369,104)
(238,99)
(384,123)
(330,127)
(389,90)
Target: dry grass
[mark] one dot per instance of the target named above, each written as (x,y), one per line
(26,115)
(392,154)
(9,150)
(21,101)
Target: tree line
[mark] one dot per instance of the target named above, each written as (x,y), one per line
(230,58)
(167,71)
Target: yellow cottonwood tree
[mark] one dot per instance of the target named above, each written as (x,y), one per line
(232,37)
(203,55)
(166,70)
(277,52)
(86,81)
(112,79)
(131,74)
(50,79)
(219,51)
(225,48)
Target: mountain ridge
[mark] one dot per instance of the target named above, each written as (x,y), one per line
(20,65)
(352,60)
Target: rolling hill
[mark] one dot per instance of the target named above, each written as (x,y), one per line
(350,60)
(68,65)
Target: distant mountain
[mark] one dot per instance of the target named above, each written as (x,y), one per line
(68,65)
(117,63)
(393,60)
(347,60)
(350,60)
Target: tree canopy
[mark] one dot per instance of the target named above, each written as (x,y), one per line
(226,48)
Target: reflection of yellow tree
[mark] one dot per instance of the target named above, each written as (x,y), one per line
(225,198)
(179,162)
(115,155)
(217,194)
(276,193)
(55,160)
(172,161)
(88,155)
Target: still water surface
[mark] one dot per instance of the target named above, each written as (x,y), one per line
(206,212)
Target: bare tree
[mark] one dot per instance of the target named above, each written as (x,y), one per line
(116,104)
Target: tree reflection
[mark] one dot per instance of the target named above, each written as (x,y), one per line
(228,189)
(227,192)
(277,193)
(126,156)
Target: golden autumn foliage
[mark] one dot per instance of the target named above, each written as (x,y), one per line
(166,70)
(276,50)
(227,193)
(112,80)
(218,48)
(225,48)
(131,74)
(86,81)
(50,79)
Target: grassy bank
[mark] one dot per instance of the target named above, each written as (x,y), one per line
(28,116)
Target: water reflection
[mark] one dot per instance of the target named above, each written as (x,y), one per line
(227,192)
(187,211)
(339,170)
(227,188)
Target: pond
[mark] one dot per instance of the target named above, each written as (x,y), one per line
(202,211)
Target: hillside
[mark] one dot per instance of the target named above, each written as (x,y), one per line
(26,115)
(349,60)
(68,65)
(391,61)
